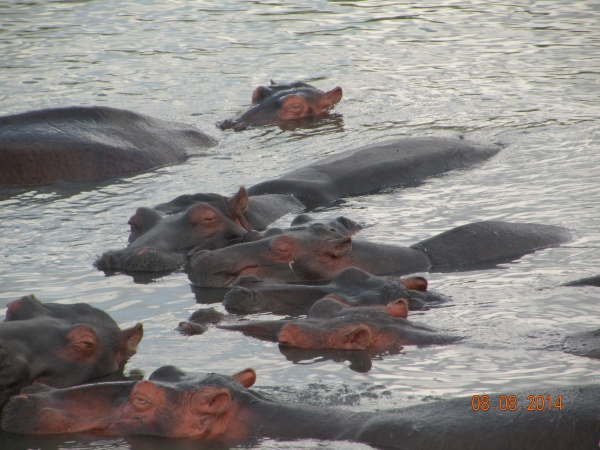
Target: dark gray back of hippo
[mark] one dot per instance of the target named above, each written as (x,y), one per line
(89,144)
(489,240)
(373,167)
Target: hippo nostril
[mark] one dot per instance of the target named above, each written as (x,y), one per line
(240,126)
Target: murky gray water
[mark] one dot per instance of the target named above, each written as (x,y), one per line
(524,73)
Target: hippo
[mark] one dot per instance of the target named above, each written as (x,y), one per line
(332,325)
(353,172)
(369,169)
(223,409)
(318,253)
(89,144)
(588,281)
(60,345)
(160,243)
(352,285)
(279,104)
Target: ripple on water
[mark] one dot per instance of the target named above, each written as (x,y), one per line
(520,74)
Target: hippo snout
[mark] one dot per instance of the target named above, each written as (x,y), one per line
(233,124)
(208,270)
(20,415)
(240,299)
(140,260)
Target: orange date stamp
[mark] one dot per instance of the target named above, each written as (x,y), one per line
(511,403)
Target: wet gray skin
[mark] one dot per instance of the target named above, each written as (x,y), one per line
(60,345)
(586,344)
(318,253)
(218,408)
(81,143)
(353,285)
(280,103)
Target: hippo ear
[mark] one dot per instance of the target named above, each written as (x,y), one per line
(237,204)
(130,338)
(415,283)
(398,308)
(357,339)
(331,98)
(338,247)
(247,377)
(211,401)
(259,94)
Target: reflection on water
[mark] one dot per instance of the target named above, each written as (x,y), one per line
(522,73)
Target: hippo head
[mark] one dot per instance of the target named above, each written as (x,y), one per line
(281,103)
(332,325)
(171,404)
(328,251)
(159,243)
(61,345)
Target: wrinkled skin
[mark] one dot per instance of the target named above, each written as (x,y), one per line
(319,253)
(85,143)
(355,286)
(60,345)
(279,104)
(332,325)
(218,408)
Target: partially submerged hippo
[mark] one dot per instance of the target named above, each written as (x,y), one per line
(221,409)
(586,343)
(352,286)
(376,166)
(588,281)
(280,103)
(90,143)
(159,244)
(332,325)
(59,345)
(352,172)
(319,253)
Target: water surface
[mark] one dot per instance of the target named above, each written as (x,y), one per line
(522,73)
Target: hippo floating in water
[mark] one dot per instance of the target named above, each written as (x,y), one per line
(318,253)
(222,409)
(221,221)
(90,143)
(369,169)
(351,286)
(59,345)
(278,104)
(332,325)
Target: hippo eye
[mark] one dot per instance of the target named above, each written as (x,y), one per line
(141,403)
(86,344)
